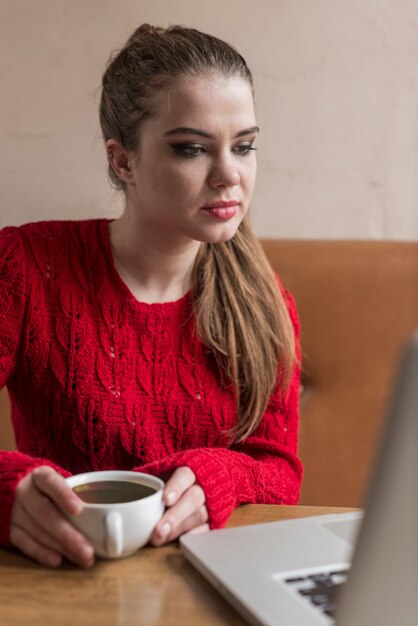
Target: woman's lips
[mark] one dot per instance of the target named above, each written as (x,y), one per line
(222,211)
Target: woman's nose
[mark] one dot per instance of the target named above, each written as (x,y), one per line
(224,174)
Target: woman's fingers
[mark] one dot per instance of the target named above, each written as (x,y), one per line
(38,526)
(59,536)
(29,546)
(52,484)
(189,511)
(181,480)
(197,520)
(204,528)
(23,520)
(186,507)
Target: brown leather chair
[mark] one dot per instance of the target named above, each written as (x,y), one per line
(7,440)
(358,304)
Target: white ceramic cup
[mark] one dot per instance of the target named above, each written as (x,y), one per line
(119,529)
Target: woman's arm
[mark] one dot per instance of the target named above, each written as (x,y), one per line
(12,300)
(263,469)
(30,499)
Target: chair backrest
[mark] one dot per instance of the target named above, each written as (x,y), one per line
(7,440)
(358,304)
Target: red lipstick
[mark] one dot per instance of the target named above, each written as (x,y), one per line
(222,209)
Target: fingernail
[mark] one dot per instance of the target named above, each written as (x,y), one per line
(165,530)
(170,497)
(54,560)
(76,506)
(86,552)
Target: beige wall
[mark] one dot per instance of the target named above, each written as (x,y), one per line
(336,97)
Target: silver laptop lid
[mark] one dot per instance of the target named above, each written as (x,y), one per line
(382,587)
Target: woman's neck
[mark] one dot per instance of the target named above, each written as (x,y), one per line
(155,268)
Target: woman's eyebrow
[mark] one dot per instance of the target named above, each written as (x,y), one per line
(248,131)
(185,130)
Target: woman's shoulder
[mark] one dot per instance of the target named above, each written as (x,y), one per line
(33,249)
(49,235)
(51,229)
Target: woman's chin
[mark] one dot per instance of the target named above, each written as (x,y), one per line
(220,232)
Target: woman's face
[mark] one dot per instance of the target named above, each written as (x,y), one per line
(195,167)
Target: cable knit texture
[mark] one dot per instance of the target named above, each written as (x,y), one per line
(99,380)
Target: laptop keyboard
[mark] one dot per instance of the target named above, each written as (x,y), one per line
(320,589)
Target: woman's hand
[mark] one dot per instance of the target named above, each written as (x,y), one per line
(39,528)
(186,510)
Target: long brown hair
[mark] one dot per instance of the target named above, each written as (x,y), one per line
(240,311)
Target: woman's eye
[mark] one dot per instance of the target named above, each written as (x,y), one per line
(188,150)
(194,150)
(244,148)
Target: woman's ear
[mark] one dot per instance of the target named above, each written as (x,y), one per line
(119,161)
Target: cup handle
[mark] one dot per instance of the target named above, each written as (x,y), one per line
(114,536)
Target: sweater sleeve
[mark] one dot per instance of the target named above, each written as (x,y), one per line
(12,300)
(13,465)
(262,469)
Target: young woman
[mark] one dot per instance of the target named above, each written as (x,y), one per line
(160,341)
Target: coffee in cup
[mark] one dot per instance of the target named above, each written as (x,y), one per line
(112,491)
(121,509)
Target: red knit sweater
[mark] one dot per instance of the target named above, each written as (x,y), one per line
(99,380)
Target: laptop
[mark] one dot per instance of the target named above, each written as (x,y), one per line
(349,569)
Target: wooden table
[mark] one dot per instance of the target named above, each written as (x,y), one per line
(155,587)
